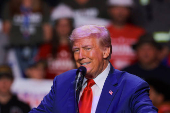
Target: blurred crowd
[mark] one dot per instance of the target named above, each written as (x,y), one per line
(34,40)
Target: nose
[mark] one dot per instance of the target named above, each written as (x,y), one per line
(81,54)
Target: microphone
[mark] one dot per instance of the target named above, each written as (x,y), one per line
(81,72)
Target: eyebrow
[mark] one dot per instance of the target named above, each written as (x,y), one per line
(75,47)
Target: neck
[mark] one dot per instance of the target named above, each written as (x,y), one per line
(4,98)
(105,64)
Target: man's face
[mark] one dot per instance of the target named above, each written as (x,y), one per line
(147,53)
(5,85)
(36,72)
(119,14)
(63,27)
(89,53)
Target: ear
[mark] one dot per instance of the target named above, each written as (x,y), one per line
(106,52)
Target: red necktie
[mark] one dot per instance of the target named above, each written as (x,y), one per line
(85,102)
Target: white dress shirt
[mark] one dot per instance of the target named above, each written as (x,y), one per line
(97,88)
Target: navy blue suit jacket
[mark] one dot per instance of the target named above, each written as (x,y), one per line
(130,95)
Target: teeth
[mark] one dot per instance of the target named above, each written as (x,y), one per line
(85,63)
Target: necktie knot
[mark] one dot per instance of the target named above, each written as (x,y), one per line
(90,83)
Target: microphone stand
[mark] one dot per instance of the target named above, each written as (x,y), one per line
(78,87)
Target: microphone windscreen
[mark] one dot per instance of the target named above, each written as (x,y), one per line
(82,69)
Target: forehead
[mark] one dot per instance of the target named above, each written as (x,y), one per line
(146,45)
(85,41)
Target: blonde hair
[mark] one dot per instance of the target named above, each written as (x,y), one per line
(96,31)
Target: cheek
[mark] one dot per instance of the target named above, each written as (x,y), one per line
(67,28)
(76,56)
(91,54)
(77,64)
(140,53)
(154,53)
(96,56)
(125,12)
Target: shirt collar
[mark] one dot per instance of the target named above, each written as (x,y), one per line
(100,79)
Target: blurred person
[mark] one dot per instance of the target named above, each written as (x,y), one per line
(123,33)
(88,11)
(148,64)
(87,8)
(4,43)
(9,102)
(164,108)
(36,70)
(159,92)
(163,39)
(103,88)
(153,15)
(26,22)
(164,55)
(57,52)
(2,2)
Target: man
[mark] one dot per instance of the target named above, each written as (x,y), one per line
(144,15)
(3,47)
(88,11)
(36,70)
(87,8)
(123,33)
(159,92)
(157,23)
(148,65)
(9,103)
(109,90)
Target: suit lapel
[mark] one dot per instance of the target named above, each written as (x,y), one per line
(108,92)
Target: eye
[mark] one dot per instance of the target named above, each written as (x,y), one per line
(76,50)
(88,48)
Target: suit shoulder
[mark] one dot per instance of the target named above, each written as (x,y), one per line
(66,76)
(70,72)
(63,81)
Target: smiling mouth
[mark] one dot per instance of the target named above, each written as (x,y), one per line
(85,63)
